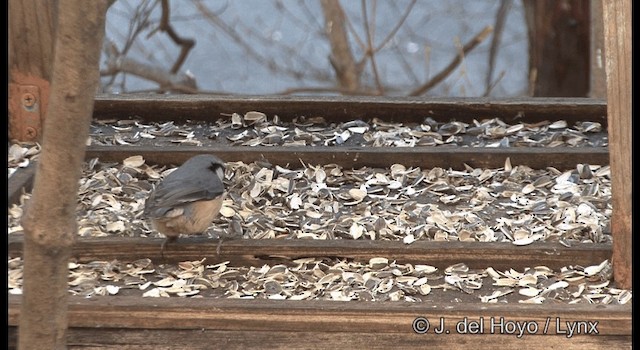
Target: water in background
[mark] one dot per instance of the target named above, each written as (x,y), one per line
(290,49)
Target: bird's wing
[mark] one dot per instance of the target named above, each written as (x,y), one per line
(170,194)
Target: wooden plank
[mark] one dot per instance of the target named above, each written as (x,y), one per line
(21,180)
(32,28)
(617,22)
(400,109)
(165,339)
(558,47)
(597,74)
(323,316)
(562,158)
(250,252)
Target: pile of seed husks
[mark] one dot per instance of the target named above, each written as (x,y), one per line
(324,279)
(509,204)
(256,129)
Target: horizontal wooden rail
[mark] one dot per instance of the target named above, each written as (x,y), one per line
(354,157)
(250,252)
(401,109)
(226,323)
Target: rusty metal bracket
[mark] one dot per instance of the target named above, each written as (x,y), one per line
(25,107)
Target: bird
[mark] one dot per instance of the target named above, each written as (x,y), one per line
(188,199)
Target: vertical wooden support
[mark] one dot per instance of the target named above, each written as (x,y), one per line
(558,47)
(31,34)
(617,39)
(597,74)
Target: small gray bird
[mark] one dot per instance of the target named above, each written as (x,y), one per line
(188,199)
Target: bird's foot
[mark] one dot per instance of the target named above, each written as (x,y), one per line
(226,236)
(164,244)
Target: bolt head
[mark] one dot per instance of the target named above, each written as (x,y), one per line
(28,100)
(31,133)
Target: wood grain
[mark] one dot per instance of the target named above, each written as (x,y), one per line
(125,322)
(562,158)
(617,23)
(180,108)
(250,252)
(166,339)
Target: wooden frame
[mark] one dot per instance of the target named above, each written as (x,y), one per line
(125,321)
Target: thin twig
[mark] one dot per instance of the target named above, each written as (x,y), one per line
(370,51)
(454,63)
(338,90)
(391,34)
(117,63)
(138,23)
(495,83)
(186,44)
(501,18)
(251,51)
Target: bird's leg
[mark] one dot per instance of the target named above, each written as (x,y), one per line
(236,232)
(219,245)
(164,244)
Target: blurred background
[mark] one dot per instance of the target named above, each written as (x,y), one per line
(454,48)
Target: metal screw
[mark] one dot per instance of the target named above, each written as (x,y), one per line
(31,132)
(28,100)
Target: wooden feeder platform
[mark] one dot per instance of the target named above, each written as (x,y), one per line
(127,322)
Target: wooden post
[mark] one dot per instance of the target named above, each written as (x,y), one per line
(31,33)
(617,30)
(597,74)
(49,220)
(558,47)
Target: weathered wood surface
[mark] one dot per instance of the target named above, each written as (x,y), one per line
(355,157)
(256,252)
(399,109)
(597,73)
(558,47)
(166,339)
(125,322)
(617,22)
(32,26)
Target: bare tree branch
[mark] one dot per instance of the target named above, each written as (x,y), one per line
(341,57)
(249,49)
(186,44)
(370,49)
(494,83)
(340,90)
(454,63)
(138,23)
(116,63)
(501,18)
(395,29)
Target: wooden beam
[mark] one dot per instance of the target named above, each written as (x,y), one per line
(31,33)
(335,109)
(617,23)
(257,252)
(168,339)
(562,158)
(597,73)
(558,47)
(128,322)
